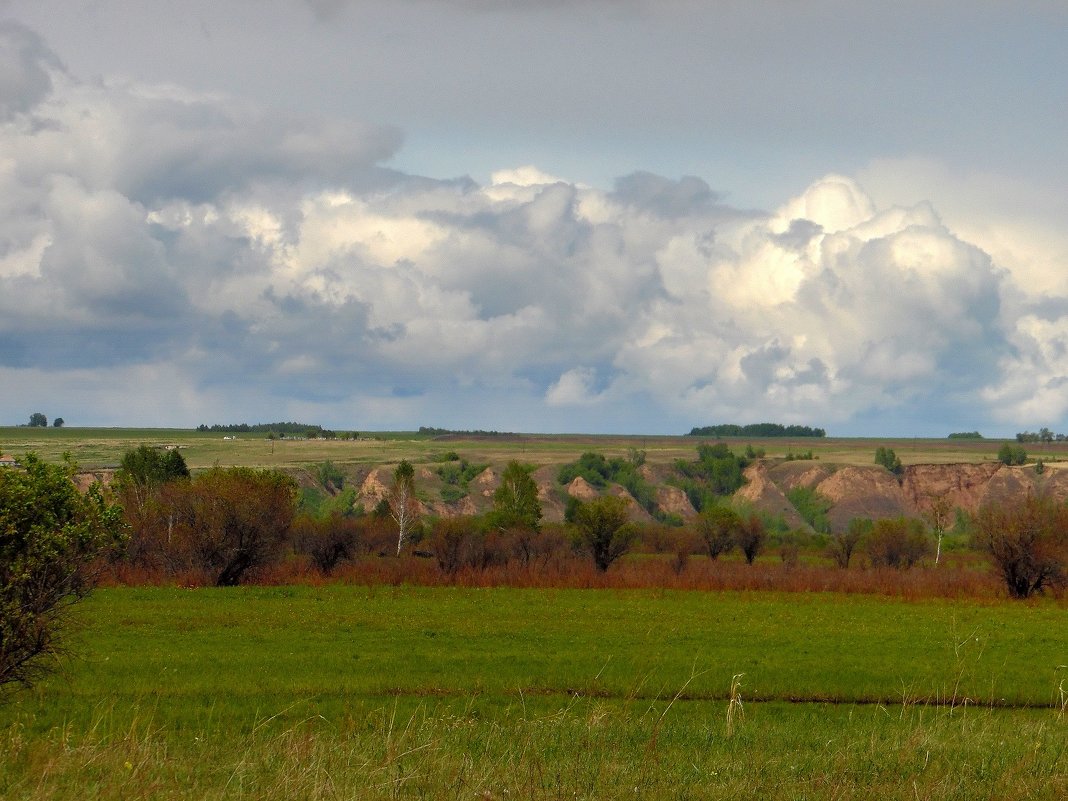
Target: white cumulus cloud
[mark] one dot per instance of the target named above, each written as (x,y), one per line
(236,266)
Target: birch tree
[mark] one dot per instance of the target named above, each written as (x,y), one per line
(403,505)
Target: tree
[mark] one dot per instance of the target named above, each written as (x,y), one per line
(230,521)
(150,467)
(718,527)
(750,537)
(1028,543)
(898,542)
(51,540)
(142,472)
(938,517)
(888,459)
(57,423)
(403,505)
(603,529)
(326,540)
(844,543)
(1012,454)
(515,502)
(38,420)
(716,472)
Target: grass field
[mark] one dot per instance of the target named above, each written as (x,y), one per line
(401,692)
(95,448)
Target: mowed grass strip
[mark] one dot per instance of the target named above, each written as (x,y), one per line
(400,692)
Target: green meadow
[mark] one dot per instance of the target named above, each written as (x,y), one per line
(402,692)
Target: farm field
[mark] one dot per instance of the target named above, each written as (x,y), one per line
(343,691)
(97,448)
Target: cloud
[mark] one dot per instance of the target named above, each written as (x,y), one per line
(576,387)
(26,65)
(238,265)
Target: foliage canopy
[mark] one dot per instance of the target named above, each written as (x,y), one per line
(51,539)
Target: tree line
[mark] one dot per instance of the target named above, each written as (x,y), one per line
(1042,435)
(40,420)
(756,430)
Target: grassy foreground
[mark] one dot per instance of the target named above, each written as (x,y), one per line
(398,692)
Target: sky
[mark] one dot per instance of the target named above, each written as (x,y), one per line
(538,215)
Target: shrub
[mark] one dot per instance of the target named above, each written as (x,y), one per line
(1012,454)
(52,539)
(888,459)
(716,473)
(750,537)
(812,507)
(536,547)
(330,476)
(326,541)
(790,549)
(222,523)
(1028,543)
(597,471)
(455,544)
(456,475)
(897,542)
(844,543)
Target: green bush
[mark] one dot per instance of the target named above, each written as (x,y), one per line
(1012,454)
(51,539)
(457,473)
(716,473)
(598,471)
(812,507)
(888,459)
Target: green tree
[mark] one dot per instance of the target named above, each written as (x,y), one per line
(1012,454)
(150,467)
(515,501)
(142,472)
(38,420)
(718,528)
(888,459)
(717,472)
(57,423)
(603,529)
(51,540)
